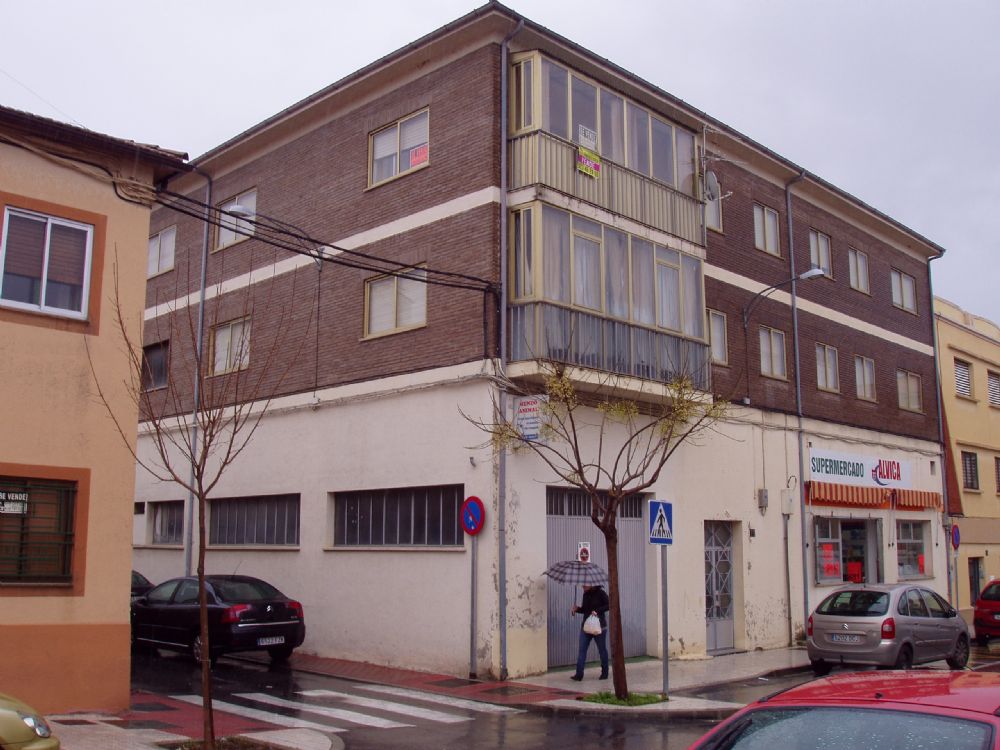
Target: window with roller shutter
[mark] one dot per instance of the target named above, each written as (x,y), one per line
(963,378)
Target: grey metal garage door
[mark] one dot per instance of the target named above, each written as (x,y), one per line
(567,524)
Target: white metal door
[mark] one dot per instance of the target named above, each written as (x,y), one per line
(720,635)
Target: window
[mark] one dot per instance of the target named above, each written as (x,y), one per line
(819,252)
(717,332)
(908,386)
(261,519)
(666,285)
(827,377)
(993,388)
(765,227)
(970,470)
(154,365)
(400,148)
(963,378)
(404,517)
(996,467)
(523,266)
(231,346)
(231,228)
(829,568)
(161,252)
(713,213)
(36,530)
(772,353)
(45,264)
(864,377)
(396,303)
(910,556)
(858,263)
(168,522)
(903,291)
(521,104)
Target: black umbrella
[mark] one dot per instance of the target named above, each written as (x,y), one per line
(578,573)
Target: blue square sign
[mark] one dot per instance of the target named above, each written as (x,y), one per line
(661,522)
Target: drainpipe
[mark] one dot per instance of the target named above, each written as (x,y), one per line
(941,442)
(502,395)
(798,405)
(198,348)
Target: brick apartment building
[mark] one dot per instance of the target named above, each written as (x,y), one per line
(556,206)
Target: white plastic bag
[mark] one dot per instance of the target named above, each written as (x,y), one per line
(592,625)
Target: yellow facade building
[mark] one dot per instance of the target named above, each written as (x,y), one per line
(74,207)
(969,351)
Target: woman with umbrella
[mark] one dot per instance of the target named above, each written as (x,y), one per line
(595,602)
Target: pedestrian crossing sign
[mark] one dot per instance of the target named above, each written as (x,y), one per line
(661,522)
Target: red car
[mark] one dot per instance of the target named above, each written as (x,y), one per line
(987,617)
(914,708)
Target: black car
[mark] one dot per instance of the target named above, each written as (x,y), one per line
(140,584)
(244,614)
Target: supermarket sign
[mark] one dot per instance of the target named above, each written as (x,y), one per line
(860,471)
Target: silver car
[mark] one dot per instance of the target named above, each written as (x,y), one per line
(887,625)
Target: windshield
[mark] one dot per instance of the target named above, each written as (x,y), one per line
(859,603)
(244,590)
(841,727)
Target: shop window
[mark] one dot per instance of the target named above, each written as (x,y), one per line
(36,530)
(911,549)
(402,517)
(828,555)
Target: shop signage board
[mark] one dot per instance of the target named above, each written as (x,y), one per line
(860,470)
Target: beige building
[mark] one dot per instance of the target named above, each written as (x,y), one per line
(74,206)
(969,351)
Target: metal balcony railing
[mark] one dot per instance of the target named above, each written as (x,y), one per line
(544,331)
(542,159)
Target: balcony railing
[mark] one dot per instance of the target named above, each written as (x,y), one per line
(546,331)
(542,159)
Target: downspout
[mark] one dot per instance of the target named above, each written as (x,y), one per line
(941,443)
(798,411)
(502,395)
(198,346)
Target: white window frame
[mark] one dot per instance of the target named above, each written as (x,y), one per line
(767,235)
(719,344)
(713,213)
(410,284)
(233,230)
(827,368)
(909,387)
(864,378)
(826,530)
(963,378)
(41,306)
(166,522)
(162,247)
(911,544)
(858,264)
(391,136)
(235,358)
(772,340)
(821,252)
(904,291)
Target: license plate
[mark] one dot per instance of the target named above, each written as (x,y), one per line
(845,638)
(274,640)
(996,617)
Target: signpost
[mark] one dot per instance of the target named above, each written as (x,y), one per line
(661,532)
(473,516)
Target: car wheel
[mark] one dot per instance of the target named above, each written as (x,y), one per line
(905,658)
(960,658)
(821,668)
(197,651)
(281,653)
(983,640)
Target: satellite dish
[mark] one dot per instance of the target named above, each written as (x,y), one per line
(711,186)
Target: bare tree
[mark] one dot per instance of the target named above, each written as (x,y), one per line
(215,396)
(597,437)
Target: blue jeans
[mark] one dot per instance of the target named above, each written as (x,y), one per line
(602,649)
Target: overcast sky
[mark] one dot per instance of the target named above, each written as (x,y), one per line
(893,101)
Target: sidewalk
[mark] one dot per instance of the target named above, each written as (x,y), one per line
(153,719)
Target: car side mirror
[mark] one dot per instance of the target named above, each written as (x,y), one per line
(952,612)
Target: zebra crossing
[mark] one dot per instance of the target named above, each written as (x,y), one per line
(333,711)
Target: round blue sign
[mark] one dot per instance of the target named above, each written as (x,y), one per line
(473,515)
(956,537)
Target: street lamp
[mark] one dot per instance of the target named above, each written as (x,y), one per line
(812,273)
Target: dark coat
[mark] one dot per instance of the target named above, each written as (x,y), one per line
(595,600)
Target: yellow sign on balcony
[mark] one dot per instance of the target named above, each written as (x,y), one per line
(588,162)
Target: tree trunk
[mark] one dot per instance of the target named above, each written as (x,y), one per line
(208,728)
(618,677)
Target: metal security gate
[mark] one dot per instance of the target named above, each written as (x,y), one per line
(567,524)
(719,586)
